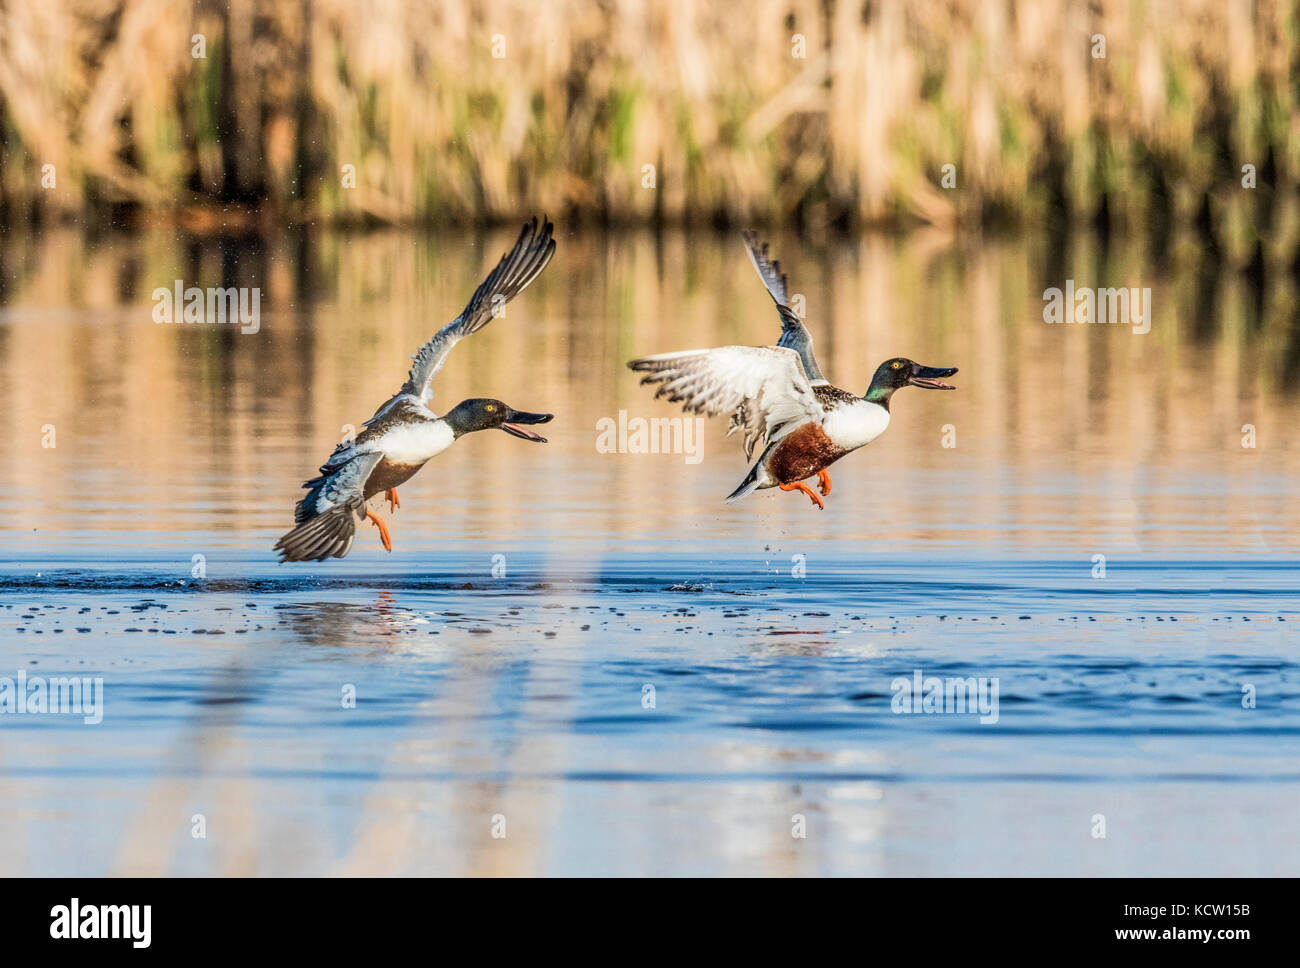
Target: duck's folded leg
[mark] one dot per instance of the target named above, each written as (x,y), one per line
(393,502)
(824,481)
(383,529)
(801,486)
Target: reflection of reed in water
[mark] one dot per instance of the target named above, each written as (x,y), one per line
(220,428)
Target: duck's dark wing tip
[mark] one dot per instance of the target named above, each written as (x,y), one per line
(517,269)
(513,274)
(769,270)
(794,334)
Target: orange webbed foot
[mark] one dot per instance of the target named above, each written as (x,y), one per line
(801,486)
(393,502)
(383,529)
(824,482)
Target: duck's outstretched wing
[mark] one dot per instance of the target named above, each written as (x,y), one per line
(517,268)
(794,334)
(326,519)
(767,381)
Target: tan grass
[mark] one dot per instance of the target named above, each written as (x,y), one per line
(710,93)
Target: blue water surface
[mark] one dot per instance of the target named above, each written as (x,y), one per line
(656,715)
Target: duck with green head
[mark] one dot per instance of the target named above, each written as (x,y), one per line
(778,394)
(404,434)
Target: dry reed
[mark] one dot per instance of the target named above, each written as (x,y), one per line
(586,95)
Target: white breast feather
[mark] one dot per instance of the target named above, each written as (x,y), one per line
(416,443)
(856,424)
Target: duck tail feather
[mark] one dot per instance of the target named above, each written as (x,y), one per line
(753,480)
(327,535)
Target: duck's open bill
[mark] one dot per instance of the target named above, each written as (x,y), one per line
(516,417)
(928,377)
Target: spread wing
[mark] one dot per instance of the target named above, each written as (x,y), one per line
(326,519)
(794,335)
(517,268)
(767,381)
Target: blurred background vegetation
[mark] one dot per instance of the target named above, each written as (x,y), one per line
(814,113)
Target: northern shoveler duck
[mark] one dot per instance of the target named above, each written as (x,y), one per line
(404,433)
(778,393)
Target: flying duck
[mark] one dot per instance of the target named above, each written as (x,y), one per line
(404,433)
(778,393)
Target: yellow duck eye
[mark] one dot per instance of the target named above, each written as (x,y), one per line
(895,364)
(490,407)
